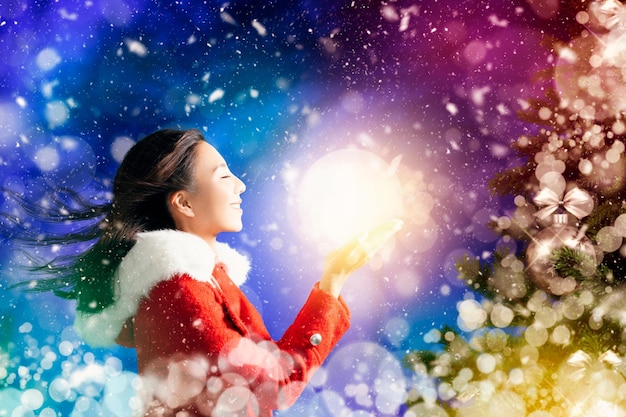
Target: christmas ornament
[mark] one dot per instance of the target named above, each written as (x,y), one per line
(542,256)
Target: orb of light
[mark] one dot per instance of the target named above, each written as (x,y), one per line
(347,192)
(66,162)
(369,377)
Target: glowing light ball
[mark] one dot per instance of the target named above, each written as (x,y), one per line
(347,192)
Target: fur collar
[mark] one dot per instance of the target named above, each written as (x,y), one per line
(157,256)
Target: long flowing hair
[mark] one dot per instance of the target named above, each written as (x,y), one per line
(156,166)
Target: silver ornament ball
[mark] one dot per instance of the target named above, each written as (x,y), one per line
(540,252)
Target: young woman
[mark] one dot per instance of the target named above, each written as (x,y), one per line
(157,280)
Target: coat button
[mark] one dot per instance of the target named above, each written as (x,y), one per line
(315,339)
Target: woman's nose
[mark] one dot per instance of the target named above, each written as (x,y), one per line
(241,187)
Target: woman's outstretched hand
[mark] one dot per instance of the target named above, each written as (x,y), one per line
(343,261)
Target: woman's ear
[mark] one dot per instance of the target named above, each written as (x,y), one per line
(180,205)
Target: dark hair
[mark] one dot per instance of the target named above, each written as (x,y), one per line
(156,166)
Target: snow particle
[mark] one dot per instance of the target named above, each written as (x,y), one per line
(216,95)
(136,47)
(259,27)
(57,113)
(47,59)
(120,146)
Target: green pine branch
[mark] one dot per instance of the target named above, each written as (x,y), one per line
(604,215)
(568,262)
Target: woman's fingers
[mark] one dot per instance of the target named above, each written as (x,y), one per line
(346,259)
(363,247)
(379,235)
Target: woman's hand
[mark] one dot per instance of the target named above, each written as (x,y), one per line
(343,261)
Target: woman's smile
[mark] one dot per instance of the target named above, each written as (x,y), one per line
(237,205)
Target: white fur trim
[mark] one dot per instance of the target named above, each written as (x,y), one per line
(155,257)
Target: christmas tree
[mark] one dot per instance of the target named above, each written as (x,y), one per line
(542,330)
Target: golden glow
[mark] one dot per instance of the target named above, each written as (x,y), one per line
(347,192)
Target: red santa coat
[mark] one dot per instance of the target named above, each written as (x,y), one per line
(201,345)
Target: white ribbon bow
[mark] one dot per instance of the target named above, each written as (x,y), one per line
(582,361)
(578,202)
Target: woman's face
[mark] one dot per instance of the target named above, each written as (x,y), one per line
(608,13)
(217,198)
